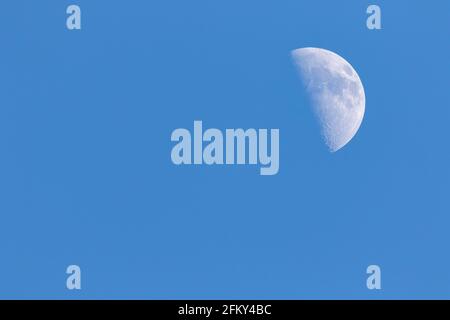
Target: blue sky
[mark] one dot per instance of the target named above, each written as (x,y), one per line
(86,176)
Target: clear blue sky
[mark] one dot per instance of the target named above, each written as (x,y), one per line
(86,176)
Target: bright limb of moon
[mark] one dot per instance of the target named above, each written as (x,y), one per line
(336,93)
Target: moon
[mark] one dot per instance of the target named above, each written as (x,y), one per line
(336,93)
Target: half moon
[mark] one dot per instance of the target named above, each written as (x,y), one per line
(336,93)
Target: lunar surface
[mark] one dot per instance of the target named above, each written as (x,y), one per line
(336,94)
